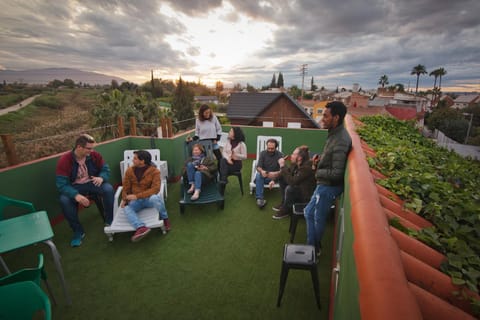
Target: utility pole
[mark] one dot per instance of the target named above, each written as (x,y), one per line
(152,82)
(303,70)
(469,126)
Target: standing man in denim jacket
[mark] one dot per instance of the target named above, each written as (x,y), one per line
(329,172)
(80,173)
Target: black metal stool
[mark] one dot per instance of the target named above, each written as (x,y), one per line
(297,213)
(299,256)
(222,185)
(238,174)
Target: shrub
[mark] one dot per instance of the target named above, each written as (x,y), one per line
(49,101)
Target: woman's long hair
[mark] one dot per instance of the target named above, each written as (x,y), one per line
(238,134)
(202,110)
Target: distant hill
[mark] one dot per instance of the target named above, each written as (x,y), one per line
(44,76)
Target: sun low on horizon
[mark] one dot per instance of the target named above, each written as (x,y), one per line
(216,43)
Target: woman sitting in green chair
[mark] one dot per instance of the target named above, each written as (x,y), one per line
(200,169)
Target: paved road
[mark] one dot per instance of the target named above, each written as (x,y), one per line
(18,106)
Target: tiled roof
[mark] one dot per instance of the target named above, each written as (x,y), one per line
(243,105)
(403,113)
(467,98)
(379,101)
(251,105)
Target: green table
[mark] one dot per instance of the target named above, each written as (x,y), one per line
(28,229)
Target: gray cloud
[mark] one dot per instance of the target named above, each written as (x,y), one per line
(342,41)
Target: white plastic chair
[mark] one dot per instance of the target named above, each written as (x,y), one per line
(150,216)
(223,139)
(262,145)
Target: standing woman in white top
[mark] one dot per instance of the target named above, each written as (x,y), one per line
(207,127)
(234,151)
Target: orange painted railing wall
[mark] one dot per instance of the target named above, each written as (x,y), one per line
(383,287)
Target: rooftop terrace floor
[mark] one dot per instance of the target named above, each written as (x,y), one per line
(214,264)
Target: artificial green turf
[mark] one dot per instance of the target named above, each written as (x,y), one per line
(214,264)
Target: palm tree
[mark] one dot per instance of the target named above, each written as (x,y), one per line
(418,70)
(383,80)
(435,74)
(441,73)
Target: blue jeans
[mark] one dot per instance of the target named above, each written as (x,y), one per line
(260,181)
(317,210)
(194,176)
(70,206)
(134,206)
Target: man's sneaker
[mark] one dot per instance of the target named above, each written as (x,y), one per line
(261,203)
(140,234)
(277,207)
(282,213)
(77,239)
(167,225)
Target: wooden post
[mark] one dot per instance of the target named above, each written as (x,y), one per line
(163,124)
(9,149)
(121,128)
(133,126)
(169,127)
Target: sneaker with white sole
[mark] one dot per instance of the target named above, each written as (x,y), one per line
(277,207)
(282,213)
(77,239)
(261,203)
(140,233)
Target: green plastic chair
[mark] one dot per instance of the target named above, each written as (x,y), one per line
(24,300)
(6,202)
(29,274)
(9,202)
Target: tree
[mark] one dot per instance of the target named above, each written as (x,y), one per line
(418,70)
(436,75)
(273,84)
(218,87)
(111,106)
(313,87)
(450,121)
(383,80)
(149,113)
(114,84)
(441,73)
(294,91)
(251,89)
(182,105)
(237,87)
(280,80)
(55,83)
(399,87)
(128,86)
(69,83)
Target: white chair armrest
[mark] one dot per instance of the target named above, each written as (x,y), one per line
(122,169)
(117,199)
(162,191)
(254,170)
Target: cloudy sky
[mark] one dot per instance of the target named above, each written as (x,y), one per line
(246,41)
